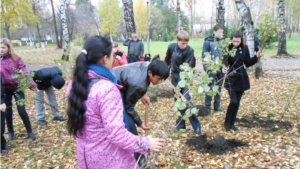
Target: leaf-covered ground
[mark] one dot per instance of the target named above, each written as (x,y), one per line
(268,135)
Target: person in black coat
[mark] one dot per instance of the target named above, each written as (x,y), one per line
(177,54)
(237,80)
(46,78)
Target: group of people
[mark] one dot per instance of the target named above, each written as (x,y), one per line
(104,90)
(43,80)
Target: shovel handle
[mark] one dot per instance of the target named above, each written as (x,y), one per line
(146,116)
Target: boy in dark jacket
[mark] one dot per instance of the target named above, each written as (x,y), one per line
(135,79)
(177,54)
(212,44)
(46,78)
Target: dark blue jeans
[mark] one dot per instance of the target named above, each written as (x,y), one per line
(132,129)
(133,59)
(180,123)
(21,109)
(217,98)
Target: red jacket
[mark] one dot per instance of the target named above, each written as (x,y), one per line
(122,61)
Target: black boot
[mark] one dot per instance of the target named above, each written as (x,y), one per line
(31,136)
(227,126)
(10,136)
(234,128)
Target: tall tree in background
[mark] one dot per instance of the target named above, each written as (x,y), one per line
(16,12)
(178,11)
(190,4)
(247,24)
(140,13)
(129,17)
(55,27)
(220,13)
(65,34)
(281,35)
(110,13)
(34,4)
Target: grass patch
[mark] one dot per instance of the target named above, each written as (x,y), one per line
(46,56)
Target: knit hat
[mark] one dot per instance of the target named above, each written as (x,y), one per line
(57,81)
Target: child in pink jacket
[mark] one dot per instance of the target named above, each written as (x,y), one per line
(95,113)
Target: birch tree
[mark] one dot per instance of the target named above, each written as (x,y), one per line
(220,13)
(65,34)
(246,23)
(178,16)
(282,30)
(129,17)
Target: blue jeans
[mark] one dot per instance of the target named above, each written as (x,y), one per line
(132,129)
(180,123)
(217,98)
(21,109)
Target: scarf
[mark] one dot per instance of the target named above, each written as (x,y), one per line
(103,71)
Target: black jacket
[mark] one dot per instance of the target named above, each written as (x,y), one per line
(176,57)
(238,79)
(134,79)
(43,76)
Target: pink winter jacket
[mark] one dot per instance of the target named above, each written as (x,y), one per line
(9,68)
(105,143)
(122,61)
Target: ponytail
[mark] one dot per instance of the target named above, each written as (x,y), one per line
(78,96)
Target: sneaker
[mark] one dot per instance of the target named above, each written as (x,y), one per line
(6,147)
(219,109)
(197,131)
(3,153)
(43,122)
(59,118)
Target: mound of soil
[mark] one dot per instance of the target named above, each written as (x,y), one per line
(217,146)
(257,121)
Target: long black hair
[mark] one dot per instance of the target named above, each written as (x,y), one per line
(95,48)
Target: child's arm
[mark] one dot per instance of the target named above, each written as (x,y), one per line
(168,55)
(190,58)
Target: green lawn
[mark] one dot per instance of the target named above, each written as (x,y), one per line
(46,56)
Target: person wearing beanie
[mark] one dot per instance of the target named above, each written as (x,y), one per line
(46,78)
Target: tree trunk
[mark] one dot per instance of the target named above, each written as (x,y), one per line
(247,23)
(178,16)
(258,13)
(37,27)
(55,27)
(95,17)
(192,18)
(62,10)
(6,27)
(220,13)
(129,17)
(281,35)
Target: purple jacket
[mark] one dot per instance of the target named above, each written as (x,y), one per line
(9,67)
(105,142)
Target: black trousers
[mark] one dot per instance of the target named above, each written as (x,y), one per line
(3,141)
(9,93)
(235,99)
